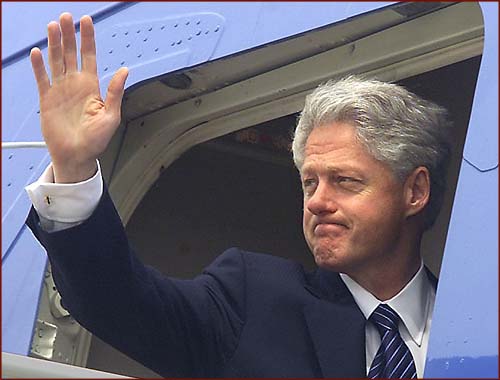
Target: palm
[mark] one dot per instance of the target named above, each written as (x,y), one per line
(77,124)
(74,118)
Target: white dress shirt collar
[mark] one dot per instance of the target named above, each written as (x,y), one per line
(408,303)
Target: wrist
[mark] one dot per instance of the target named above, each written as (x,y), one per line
(73,173)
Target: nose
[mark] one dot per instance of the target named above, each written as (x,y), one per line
(322,200)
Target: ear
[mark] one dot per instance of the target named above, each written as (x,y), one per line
(417,190)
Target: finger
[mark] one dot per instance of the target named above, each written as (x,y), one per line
(42,79)
(88,52)
(116,88)
(68,42)
(56,61)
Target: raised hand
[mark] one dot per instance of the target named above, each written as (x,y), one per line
(77,124)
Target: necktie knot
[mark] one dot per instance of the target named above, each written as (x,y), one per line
(385,318)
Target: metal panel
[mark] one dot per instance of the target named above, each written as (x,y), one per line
(22,275)
(481,147)
(16,366)
(19,168)
(151,47)
(464,339)
(37,16)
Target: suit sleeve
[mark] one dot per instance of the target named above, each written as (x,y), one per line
(187,328)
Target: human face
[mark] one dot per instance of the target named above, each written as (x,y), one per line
(354,208)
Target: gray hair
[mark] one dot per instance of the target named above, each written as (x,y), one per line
(396,127)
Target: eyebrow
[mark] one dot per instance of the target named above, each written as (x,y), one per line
(348,169)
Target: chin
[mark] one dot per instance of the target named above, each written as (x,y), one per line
(334,267)
(328,259)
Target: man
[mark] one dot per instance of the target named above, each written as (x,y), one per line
(368,154)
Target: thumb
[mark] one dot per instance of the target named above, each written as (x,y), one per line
(115,91)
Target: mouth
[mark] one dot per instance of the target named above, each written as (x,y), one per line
(322,229)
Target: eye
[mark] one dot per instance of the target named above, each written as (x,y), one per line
(308,182)
(349,183)
(346,179)
(308,185)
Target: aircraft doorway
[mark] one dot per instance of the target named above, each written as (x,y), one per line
(220,194)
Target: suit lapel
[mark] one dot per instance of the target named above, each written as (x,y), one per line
(336,326)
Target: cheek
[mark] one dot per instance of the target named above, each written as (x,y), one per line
(380,219)
(306,219)
(306,223)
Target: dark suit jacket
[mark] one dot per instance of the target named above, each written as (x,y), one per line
(246,315)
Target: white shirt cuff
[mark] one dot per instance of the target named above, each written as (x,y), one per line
(68,203)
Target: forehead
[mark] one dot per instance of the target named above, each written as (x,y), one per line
(333,137)
(336,146)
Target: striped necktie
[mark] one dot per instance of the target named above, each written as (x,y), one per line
(393,358)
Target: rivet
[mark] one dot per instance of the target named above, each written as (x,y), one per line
(111,51)
(172,44)
(176,25)
(138,31)
(10,156)
(113,35)
(150,29)
(145,39)
(38,111)
(206,32)
(162,27)
(126,33)
(105,69)
(127,45)
(139,55)
(198,32)
(198,22)
(179,42)
(187,22)
(156,49)
(31,167)
(122,62)
(9,184)
(217,29)
(142,123)
(190,38)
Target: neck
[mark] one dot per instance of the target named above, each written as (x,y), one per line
(391,272)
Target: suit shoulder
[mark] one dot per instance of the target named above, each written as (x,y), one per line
(253,264)
(258,259)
